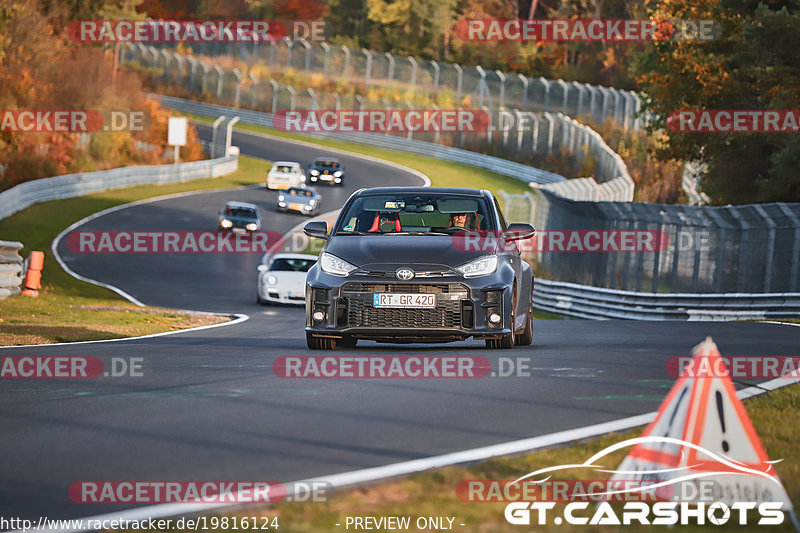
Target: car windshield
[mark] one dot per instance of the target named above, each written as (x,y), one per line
(291,265)
(326,164)
(285,168)
(240,212)
(297,192)
(415,213)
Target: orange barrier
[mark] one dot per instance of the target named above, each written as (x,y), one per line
(33,277)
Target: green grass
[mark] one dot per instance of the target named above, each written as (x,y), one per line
(71,310)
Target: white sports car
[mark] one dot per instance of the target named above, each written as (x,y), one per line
(285,174)
(282,278)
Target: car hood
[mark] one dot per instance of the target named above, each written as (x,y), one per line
(376,252)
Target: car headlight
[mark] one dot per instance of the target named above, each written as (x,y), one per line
(331,264)
(479,267)
(225,223)
(315,172)
(312,202)
(337,174)
(272,280)
(252,226)
(281,197)
(302,178)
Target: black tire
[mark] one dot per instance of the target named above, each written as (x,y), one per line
(319,343)
(526,337)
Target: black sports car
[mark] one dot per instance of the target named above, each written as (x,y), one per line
(419,265)
(326,170)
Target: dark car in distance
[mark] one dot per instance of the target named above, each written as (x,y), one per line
(239,216)
(395,269)
(326,170)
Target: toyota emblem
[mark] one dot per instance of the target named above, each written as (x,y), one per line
(404,274)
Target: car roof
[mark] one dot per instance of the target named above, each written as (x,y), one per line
(242,205)
(336,159)
(286,163)
(373,191)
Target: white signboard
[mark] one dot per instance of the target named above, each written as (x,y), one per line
(176,135)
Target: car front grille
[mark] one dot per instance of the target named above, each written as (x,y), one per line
(447,313)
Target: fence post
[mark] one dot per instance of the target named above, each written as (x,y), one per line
(409,134)
(437,135)
(325,61)
(346,60)
(275,89)
(502,88)
(524,91)
(546,102)
(770,246)
(435,74)
(368,67)
(293,94)
(413,72)
(307,62)
(580,88)
(459,81)
(219,81)
(313,96)
(390,58)
(238,93)
(254,89)
(289,48)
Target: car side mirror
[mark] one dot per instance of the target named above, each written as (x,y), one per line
(317,229)
(262,268)
(518,231)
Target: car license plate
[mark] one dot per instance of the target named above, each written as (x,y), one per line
(419,301)
(296,207)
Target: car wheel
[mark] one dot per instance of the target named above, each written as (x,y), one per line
(319,343)
(526,338)
(261,300)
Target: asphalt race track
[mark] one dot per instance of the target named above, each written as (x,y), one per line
(209,406)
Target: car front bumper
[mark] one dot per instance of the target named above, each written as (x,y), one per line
(463,308)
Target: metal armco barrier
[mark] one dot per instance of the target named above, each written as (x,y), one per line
(584,301)
(71,185)
(10,268)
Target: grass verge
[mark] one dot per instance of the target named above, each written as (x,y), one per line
(68,309)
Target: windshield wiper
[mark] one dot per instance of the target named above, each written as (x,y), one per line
(350,233)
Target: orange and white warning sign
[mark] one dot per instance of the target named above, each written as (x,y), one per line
(702,432)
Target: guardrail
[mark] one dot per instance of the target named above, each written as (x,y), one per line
(71,185)
(620,189)
(10,268)
(584,301)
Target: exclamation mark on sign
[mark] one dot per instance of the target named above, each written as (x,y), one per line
(721,412)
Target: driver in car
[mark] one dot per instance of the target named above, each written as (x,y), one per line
(463,220)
